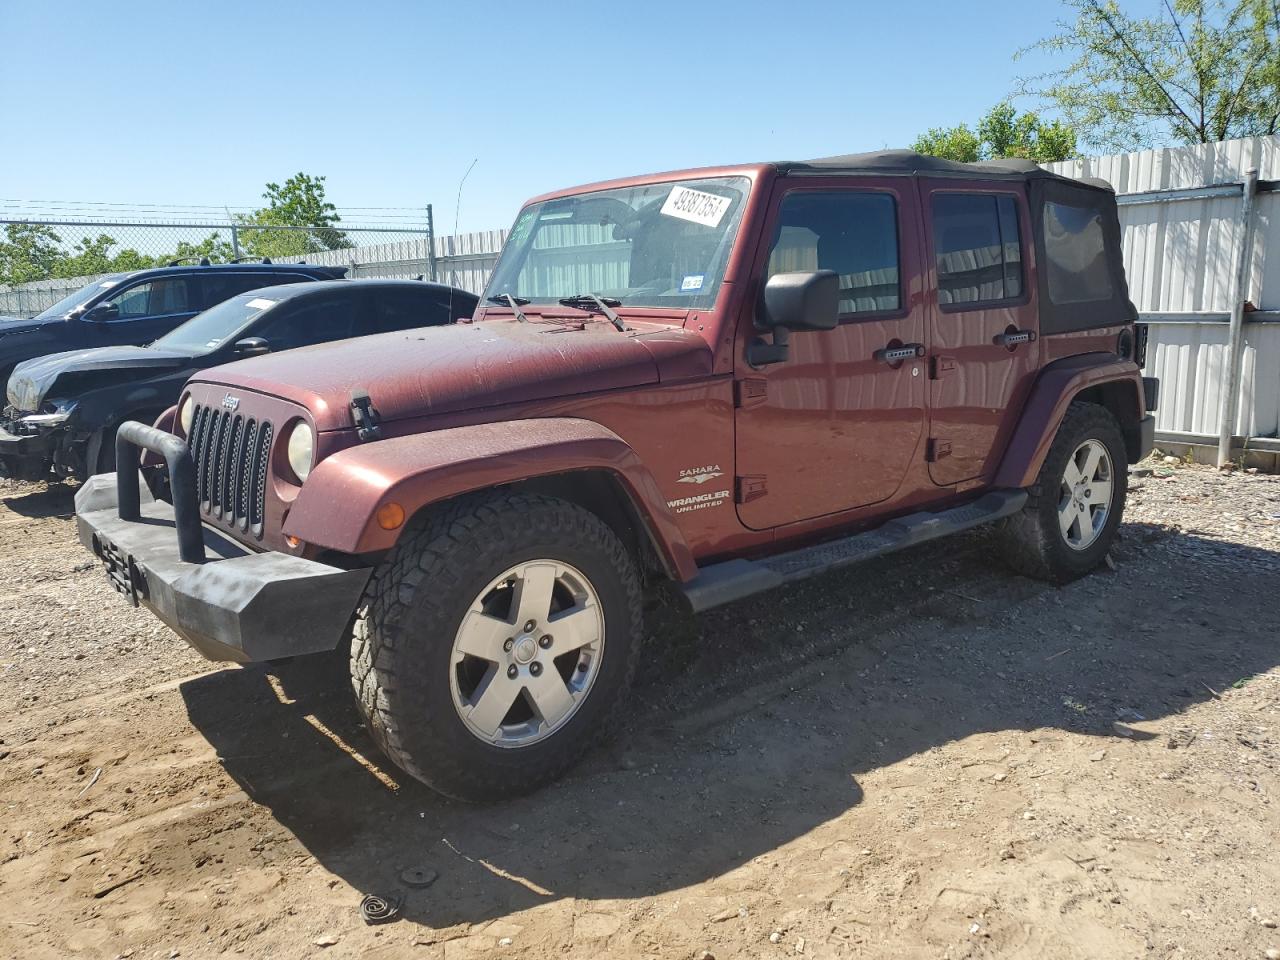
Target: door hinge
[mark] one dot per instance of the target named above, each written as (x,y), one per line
(937,449)
(750,488)
(940,366)
(750,392)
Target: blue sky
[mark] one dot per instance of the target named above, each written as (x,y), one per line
(202,103)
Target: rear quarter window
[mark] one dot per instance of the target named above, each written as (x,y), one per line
(1076,266)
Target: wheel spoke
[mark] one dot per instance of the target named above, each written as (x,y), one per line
(533,592)
(1092,454)
(482,636)
(574,628)
(1067,516)
(494,697)
(551,698)
(1071,475)
(1100,492)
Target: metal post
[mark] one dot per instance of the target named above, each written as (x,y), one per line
(235,241)
(1235,337)
(431,243)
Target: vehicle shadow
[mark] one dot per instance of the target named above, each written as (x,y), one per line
(38,500)
(759,731)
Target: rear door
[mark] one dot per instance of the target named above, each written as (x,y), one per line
(983,344)
(836,426)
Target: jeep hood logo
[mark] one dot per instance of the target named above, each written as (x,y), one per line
(700,474)
(230,402)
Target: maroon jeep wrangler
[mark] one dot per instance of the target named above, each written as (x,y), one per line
(729,379)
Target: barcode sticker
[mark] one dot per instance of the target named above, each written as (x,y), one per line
(695,206)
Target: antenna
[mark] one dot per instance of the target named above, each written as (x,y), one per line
(457,209)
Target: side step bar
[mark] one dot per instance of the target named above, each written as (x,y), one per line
(734,579)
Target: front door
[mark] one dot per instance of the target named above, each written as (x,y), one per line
(982,327)
(837,424)
(148,310)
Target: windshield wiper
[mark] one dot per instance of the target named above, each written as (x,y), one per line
(515,303)
(601,304)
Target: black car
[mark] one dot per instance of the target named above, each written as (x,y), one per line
(136,308)
(63,409)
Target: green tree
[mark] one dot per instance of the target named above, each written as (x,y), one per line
(299,202)
(29,251)
(212,246)
(1198,72)
(93,255)
(1002,132)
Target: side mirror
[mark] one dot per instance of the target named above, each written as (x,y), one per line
(102,313)
(251,347)
(794,301)
(802,301)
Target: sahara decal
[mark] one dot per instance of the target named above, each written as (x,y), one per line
(700,474)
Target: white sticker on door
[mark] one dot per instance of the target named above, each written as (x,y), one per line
(695,206)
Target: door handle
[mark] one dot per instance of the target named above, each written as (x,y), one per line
(1013,336)
(896,354)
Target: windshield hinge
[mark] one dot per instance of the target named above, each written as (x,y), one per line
(365,416)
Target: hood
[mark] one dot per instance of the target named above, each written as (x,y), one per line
(465,366)
(64,375)
(13,327)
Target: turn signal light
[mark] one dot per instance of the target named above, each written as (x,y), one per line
(390,516)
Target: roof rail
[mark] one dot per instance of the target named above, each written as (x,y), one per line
(245,259)
(202,261)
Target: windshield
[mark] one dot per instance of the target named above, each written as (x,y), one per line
(654,245)
(81,296)
(217,326)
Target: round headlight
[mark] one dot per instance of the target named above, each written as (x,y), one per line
(302,448)
(184,415)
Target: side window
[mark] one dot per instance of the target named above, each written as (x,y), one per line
(978,250)
(1076,254)
(223,286)
(406,309)
(854,234)
(154,298)
(319,321)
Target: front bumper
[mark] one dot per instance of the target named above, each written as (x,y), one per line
(232,605)
(27,456)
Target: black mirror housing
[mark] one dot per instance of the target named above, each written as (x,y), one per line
(802,301)
(252,346)
(102,313)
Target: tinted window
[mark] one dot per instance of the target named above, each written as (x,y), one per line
(978,250)
(854,234)
(1076,254)
(406,309)
(316,321)
(154,298)
(222,286)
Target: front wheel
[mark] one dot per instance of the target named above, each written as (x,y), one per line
(496,643)
(1069,521)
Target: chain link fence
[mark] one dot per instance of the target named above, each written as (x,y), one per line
(43,261)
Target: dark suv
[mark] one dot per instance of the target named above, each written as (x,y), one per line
(725,379)
(136,308)
(63,409)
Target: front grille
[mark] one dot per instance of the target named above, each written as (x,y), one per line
(231,453)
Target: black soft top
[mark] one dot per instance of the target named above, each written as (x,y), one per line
(910,163)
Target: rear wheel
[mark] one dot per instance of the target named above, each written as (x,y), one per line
(1072,512)
(496,643)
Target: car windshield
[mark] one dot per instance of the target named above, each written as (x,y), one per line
(217,326)
(80,297)
(653,245)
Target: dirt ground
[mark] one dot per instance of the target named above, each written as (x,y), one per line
(922,757)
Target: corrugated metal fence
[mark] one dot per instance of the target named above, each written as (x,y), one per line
(1182,227)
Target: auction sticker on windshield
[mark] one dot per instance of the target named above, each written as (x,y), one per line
(260,303)
(695,206)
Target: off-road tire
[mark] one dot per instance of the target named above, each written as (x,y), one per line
(1031,540)
(404,629)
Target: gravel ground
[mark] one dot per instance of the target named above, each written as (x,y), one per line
(924,756)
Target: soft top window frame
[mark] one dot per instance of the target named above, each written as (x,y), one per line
(1086,315)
